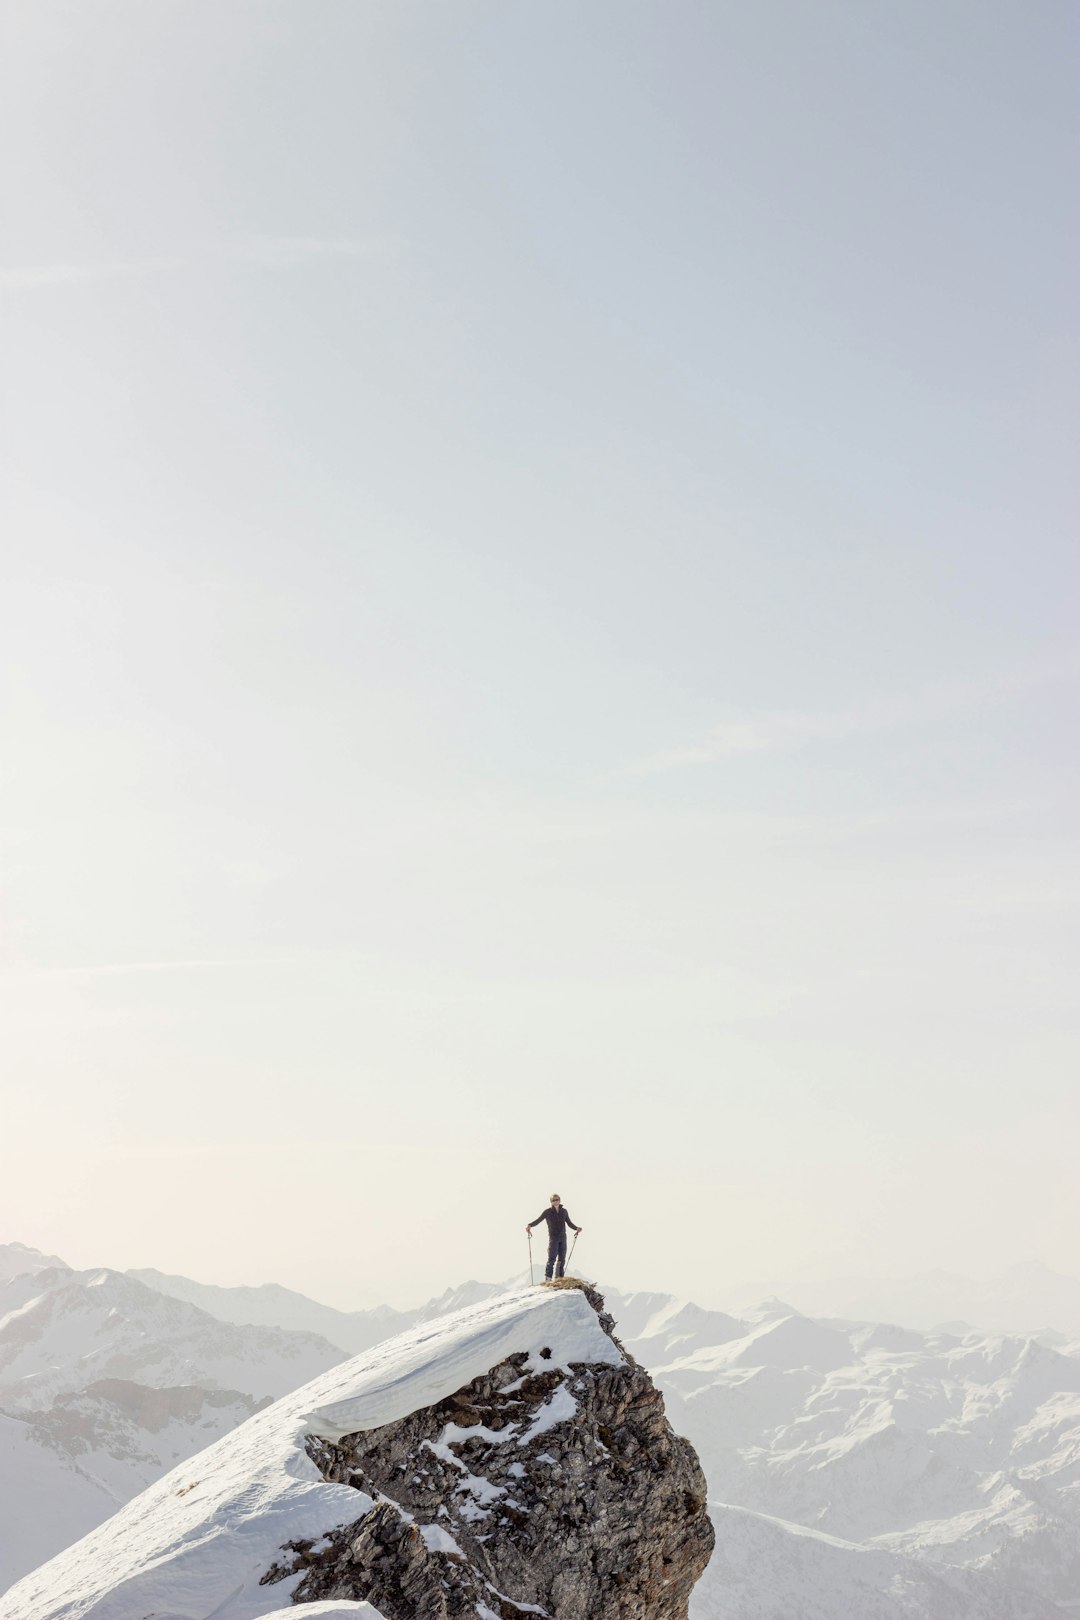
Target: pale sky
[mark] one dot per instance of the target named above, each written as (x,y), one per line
(538,637)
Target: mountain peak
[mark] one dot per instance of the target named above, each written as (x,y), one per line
(1034,1271)
(18,1260)
(443,1466)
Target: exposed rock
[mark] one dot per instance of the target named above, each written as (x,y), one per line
(566,1491)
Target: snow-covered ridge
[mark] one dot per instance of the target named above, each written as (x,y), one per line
(61,1329)
(105,1384)
(335,1609)
(18,1260)
(430,1362)
(198,1541)
(880,1472)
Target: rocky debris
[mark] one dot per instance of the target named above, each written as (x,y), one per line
(563,1492)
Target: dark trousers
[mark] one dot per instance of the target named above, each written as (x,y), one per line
(556,1257)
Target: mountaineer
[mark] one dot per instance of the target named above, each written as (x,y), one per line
(558,1219)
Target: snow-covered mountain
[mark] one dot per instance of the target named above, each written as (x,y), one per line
(105,1384)
(269,1305)
(916,1475)
(61,1330)
(16,1260)
(505,1459)
(64,1471)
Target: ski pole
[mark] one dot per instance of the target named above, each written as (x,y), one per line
(532,1279)
(573,1246)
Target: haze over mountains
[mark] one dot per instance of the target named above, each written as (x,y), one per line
(122,1329)
(1028,1298)
(862,1459)
(929,1475)
(17,1260)
(270,1305)
(1025,1298)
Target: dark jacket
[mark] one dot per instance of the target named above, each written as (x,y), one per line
(557,1222)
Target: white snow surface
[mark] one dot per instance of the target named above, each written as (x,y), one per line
(871,1471)
(335,1609)
(105,1385)
(195,1544)
(60,1330)
(64,1472)
(17,1260)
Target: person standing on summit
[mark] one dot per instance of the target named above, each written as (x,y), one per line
(558,1219)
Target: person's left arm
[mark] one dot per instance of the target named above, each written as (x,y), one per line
(569,1222)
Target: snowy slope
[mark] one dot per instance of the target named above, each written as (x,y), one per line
(66,1470)
(61,1330)
(270,1305)
(17,1260)
(197,1542)
(662,1326)
(104,1386)
(46,1503)
(766,1568)
(955,1462)
(335,1609)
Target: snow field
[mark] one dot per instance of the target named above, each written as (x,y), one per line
(335,1609)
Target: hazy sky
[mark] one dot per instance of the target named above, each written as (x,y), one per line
(539,637)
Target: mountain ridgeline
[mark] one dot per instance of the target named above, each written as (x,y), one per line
(853,1467)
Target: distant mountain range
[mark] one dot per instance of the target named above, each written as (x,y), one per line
(61,1329)
(874,1471)
(16,1260)
(105,1384)
(1029,1298)
(855,1467)
(270,1305)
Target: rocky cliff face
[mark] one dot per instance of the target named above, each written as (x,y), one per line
(564,1491)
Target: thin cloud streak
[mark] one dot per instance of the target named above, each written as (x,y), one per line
(779,730)
(269,252)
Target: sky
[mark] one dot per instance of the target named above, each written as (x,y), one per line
(538,638)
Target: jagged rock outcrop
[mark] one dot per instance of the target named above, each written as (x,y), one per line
(564,1491)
